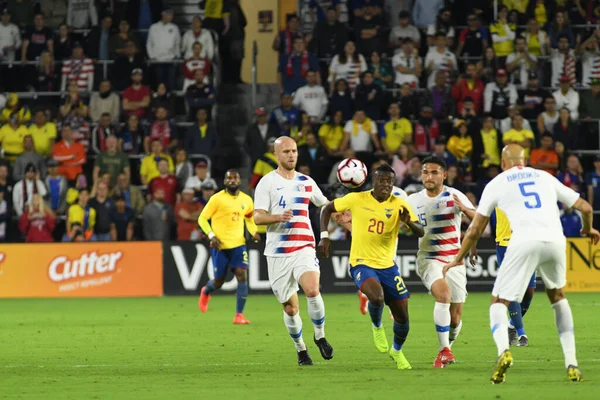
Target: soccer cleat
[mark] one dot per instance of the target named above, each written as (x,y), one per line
(523,341)
(362,303)
(325,348)
(304,358)
(574,374)
(380,340)
(504,362)
(401,361)
(203,301)
(240,319)
(513,338)
(444,358)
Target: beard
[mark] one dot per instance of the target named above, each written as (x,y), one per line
(232,188)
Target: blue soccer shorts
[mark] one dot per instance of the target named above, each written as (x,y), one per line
(224,260)
(389,278)
(500,252)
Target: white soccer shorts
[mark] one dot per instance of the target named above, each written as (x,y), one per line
(431,270)
(284,272)
(521,261)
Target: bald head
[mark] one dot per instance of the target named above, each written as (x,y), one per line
(513,155)
(286,152)
(283,141)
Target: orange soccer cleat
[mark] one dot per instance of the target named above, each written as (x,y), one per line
(362,303)
(240,319)
(444,358)
(203,301)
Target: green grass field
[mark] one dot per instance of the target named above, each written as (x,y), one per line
(166,349)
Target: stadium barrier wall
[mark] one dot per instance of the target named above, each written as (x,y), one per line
(81,270)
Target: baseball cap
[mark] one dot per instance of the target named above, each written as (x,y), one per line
(188,190)
(137,71)
(201,164)
(52,163)
(260,111)
(565,78)
(208,185)
(501,72)
(532,75)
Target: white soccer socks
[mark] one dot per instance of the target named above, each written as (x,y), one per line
(316,312)
(441,318)
(499,325)
(564,323)
(294,326)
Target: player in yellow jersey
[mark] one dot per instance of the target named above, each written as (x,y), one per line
(516,330)
(228,210)
(376,217)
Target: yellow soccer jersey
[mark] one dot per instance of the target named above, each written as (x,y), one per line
(503,231)
(227,214)
(374,227)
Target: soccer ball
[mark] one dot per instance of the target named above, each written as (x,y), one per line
(352,173)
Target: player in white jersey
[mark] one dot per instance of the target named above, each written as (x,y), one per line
(440,209)
(529,199)
(281,202)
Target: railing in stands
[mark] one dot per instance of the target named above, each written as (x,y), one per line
(254,74)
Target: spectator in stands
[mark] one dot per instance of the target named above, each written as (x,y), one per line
(319,10)
(442,25)
(200,95)
(369,31)
(469,85)
(460,144)
(315,157)
(489,64)
(331,135)
(532,99)
(57,188)
(29,156)
(149,167)
(55,12)
(45,78)
(263,165)
(565,130)
(498,95)
(232,45)
(132,136)
(589,110)
(299,131)
(286,116)
(362,136)
(407,64)
(403,31)
(133,195)
(473,39)
(167,182)
(11,138)
(520,63)
(81,14)
(560,28)
(567,97)
(439,97)
(487,143)
(194,62)
(79,69)
(6,186)
(183,167)
(312,98)
(122,221)
(162,129)
(369,97)
(69,154)
(294,67)
(347,65)
(440,151)
(545,157)
(97,42)
(590,58)
(537,39)
(424,13)
(105,101)
(10,38)
(36,39)
(563,62)
(81,219)
(201,175)
(198,35)
(329,36)
(571,221)
(26,188)
(284,42)
(503,35)
(158,218)
(136,98)
(111,161)
(14,106)
(37,222)
(257,135)
(412,181)
(571,176)
(408,102)
(341,100)
(394,131)
(489,173)
(118,42)
(164,45)
(383,74)
(547,119)
(592,180)
(141,14)
(63,43)
(507,123)
(162,98)
(209,188)
(187,212)
(519,135)
(73,104)
(80,128)
(43,133)
(439,58)
(125,64)
(202,137)
(103,206)
(426,131)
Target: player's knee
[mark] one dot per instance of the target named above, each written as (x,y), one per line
(443,296)
(555,295)
(377,299)
(218,283)
(241,275)
(529,294)
(290,310)
(311,292)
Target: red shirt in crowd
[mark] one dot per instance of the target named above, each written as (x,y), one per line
(161,130)
(137,95)
(192,64)
(185,227)
(461,90)
(37,230)
(169,185)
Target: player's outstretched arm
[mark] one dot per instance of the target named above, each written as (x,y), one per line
(261,217)
(324,243)
(588,217)
(470,240)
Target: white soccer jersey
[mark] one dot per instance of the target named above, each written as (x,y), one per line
(441,220)
(528,197)
(275,194)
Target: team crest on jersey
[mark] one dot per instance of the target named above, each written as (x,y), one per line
(301,188)
(388,212)
(243,206)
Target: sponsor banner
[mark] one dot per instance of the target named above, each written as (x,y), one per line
(188,267)
(81,270)
(583,266)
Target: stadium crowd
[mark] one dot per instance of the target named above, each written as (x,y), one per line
(383,81)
